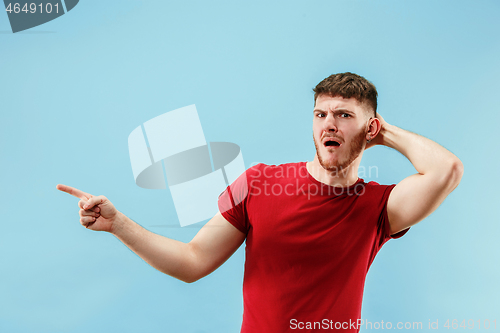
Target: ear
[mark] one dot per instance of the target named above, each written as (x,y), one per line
(373,128)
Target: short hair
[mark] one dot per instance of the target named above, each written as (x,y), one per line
(347,85)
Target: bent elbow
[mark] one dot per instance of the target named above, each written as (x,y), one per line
(187,277)
(189,280)
(456,173)
(198,275)
(192,268)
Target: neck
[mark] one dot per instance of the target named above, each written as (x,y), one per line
(339,178)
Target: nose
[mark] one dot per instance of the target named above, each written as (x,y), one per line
(330,124)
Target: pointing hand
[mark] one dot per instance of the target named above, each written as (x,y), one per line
(96,213)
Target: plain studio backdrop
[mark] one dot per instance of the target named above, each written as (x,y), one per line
(74,88)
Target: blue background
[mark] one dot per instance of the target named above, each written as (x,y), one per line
(73,89)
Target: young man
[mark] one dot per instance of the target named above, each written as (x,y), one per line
(312,229)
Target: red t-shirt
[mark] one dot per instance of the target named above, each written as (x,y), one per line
(308,247)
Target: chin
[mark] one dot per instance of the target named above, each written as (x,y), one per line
(329,164)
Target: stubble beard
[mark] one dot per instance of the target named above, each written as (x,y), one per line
(343,164)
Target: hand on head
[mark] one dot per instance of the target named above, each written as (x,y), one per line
(96,213)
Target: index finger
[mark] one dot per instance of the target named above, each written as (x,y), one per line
(73,191)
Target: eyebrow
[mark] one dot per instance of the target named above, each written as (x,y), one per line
(335,111)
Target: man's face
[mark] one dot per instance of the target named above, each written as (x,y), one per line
(339,131)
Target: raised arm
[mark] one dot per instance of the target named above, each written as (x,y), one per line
(417,196)
(209,249)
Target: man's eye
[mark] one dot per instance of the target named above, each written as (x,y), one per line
(320,115)
(344,115)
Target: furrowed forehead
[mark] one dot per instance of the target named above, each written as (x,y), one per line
(328,103)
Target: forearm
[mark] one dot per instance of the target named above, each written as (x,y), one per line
(428,157)
(167,255)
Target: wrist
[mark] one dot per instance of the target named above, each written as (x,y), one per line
(389,134)
(118,224)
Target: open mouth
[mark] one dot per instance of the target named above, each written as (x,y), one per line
(331,142)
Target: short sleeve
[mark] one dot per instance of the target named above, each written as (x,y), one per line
(384,219)
(233,202)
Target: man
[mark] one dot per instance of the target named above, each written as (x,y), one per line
(312,229)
